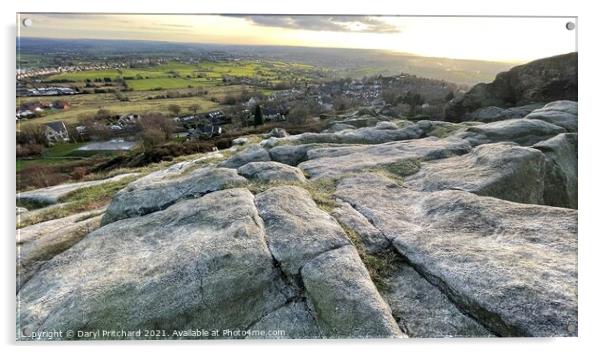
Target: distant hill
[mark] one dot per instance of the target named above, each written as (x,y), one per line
(348,62)
(540,81)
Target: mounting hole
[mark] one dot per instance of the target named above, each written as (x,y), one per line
(27,22)
(570,25)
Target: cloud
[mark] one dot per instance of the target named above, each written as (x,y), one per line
(324,23)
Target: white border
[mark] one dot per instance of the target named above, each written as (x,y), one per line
(590,126)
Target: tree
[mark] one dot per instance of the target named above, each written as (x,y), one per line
(450,96)
(413,100)
(194,107)
(157,122)
(258,116)
(390,96)
(298,113)
(174,109)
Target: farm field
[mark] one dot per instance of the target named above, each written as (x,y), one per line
(138,103)
(179,75)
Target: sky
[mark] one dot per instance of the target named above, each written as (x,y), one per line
(513,40)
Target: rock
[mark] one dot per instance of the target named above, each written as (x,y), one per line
(201,263)
(372,239)
(386,125)
(422,310)
(291,154)
(277,133)
(560,113)
(21,210)
(295,319)
(346,302)
(252,154)
(521,131)
(441,129)
(543,80)
(271,171)
(370,135)
(337,161)
(40,242)
(494,114)
(240,141)
(337,127)
(499,170)
(163,189)
(560,187)
(511,266)
(52,195)
(296,229)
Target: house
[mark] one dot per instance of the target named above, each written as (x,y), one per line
(204,132)
(60,105)
(56,132)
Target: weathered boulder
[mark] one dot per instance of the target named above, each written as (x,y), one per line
(521,131)
(291,154)
(560,113)
(369,135)
(500,170)
(346,302)
(296,229)
(52,195)
(160,190)
(337,127)
(372,239)
(511,266)
(560,187)
(422,310)
(337,161)
(294,319)
(201,263)
(252,154)
(277,133)
(40,242)
(543,80)
(386,125)
(240,141)
(271,171)
(494,114)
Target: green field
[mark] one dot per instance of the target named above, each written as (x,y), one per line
(150,82)
(175,75)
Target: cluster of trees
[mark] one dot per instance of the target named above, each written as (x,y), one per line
(412,99)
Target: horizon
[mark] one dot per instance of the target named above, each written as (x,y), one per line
(394,34)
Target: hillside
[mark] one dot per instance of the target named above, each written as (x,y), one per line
(539,81)
(375,227)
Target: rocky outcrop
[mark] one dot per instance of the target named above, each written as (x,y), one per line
(368,135)
(345,300)
(494,114)
(521,131)
(38,243)
(271,171)
(542,80)
(338,161)
(422,310)
(560,113)
(52,195)
(445,230)
(494,259)
(252,154)
(560,187)
(201,263)
(372,239)
(500,170)
(296,229)
(159,190)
